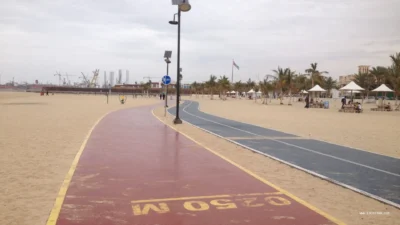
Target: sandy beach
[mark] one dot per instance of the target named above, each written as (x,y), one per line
(40,136)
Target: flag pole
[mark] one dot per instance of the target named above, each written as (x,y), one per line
(232,72)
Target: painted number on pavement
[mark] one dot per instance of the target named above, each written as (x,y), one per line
(205,203)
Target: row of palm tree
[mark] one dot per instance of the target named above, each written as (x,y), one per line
(285,81)
(381,75)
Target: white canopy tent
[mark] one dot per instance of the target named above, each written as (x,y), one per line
(303,92)
(352,87)
(384,89)
(233,92)
(251,94)
(317,88)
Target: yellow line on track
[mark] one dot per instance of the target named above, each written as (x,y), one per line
(55,212)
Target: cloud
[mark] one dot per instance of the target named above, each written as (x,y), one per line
(39,37)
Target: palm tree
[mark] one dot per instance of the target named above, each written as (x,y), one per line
(211,85)
(195,87)
(394,75)
(238,87)
(365,80)
(301,81)
(395,60)
(330,84)
(315,75)
(250,84)
(289,80)
(223,86)
(380,74)
(146,86)
(256,88)
(265,86)
(202,87)
(280,74)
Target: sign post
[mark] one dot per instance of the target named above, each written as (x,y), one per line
(166,80)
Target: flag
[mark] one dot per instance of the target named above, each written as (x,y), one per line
(234,64)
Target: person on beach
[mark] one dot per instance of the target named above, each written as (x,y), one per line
(358,107)
(307,102)
(343,102)
(161,96)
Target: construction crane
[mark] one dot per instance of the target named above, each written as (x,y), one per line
(59,77)
(68,80)
(86,82)
(93,82)
(61,80)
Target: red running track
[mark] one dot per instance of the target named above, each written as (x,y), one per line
(136,170)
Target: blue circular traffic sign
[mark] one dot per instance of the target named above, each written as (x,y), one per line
(166,79)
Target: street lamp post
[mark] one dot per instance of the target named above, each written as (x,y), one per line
(166,86)
(183,6)
(167,56)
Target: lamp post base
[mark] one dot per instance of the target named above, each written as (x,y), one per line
(177,121)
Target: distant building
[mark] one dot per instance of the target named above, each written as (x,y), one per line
(363,69)
(127,77)
(344,80)
(105,79)
(119,81)
(111,79)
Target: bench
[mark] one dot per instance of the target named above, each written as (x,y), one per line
(317,106)
(350,109)
(383,108)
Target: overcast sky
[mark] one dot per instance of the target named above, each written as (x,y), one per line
(40,37)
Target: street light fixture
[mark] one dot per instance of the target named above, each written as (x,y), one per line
(183,6)
(174,22)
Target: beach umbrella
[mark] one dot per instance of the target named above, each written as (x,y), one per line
(352,86)
(317,88)
(303,92)
(384,89)
(251,92)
